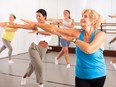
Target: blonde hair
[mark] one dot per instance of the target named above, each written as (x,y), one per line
(93,16)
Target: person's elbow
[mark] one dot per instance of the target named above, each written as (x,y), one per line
(89,50)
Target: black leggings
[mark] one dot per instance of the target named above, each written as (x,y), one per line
(98,82)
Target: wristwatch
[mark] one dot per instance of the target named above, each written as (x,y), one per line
(74,40)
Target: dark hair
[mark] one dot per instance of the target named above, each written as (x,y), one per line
(69,13)
(43,12)
(13,16)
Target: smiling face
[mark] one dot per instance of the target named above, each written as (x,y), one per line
(91,19)
(40,17)
(12,18)
(85,20)
(66,14)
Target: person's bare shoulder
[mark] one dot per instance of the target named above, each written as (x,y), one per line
(101,33)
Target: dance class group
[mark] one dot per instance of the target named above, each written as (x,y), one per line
(90,67)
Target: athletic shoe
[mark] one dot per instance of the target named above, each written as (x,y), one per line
(23,81)
(10,61)
(41,85)
(68,66)
(56,61)
(113,64)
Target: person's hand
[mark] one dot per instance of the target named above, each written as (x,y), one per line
(60,23)
(114,39)
(3,25)
(27,21)
(23,20)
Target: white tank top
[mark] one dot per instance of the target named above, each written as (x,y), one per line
(66,22)
(41,37)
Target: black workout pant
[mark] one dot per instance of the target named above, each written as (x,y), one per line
(98,82)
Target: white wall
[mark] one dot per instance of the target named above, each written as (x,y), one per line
(104,7)
(22,9)
(27,9)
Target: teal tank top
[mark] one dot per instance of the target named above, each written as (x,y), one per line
(89,66)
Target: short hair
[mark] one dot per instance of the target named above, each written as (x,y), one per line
(43,12)
(93,16)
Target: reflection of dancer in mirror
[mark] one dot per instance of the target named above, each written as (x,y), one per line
(38,48)
(113,62)
(67,22)
(8,36)
(90,70)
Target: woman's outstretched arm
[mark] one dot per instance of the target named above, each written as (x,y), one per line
(114,39)
(53,29)
(23,26)
(3,24)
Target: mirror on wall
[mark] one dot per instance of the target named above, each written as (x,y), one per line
(55,8)
(110,29)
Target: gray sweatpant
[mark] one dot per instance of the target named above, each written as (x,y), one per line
(36,53)
(7,45)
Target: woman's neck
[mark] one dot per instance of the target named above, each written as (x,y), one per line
(87,34)
(89,30)
(67,19)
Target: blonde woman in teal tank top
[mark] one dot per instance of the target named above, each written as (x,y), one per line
(90,70)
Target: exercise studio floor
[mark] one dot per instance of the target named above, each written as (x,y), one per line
(54,75)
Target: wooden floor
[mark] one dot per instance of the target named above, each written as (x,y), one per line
(54,75)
